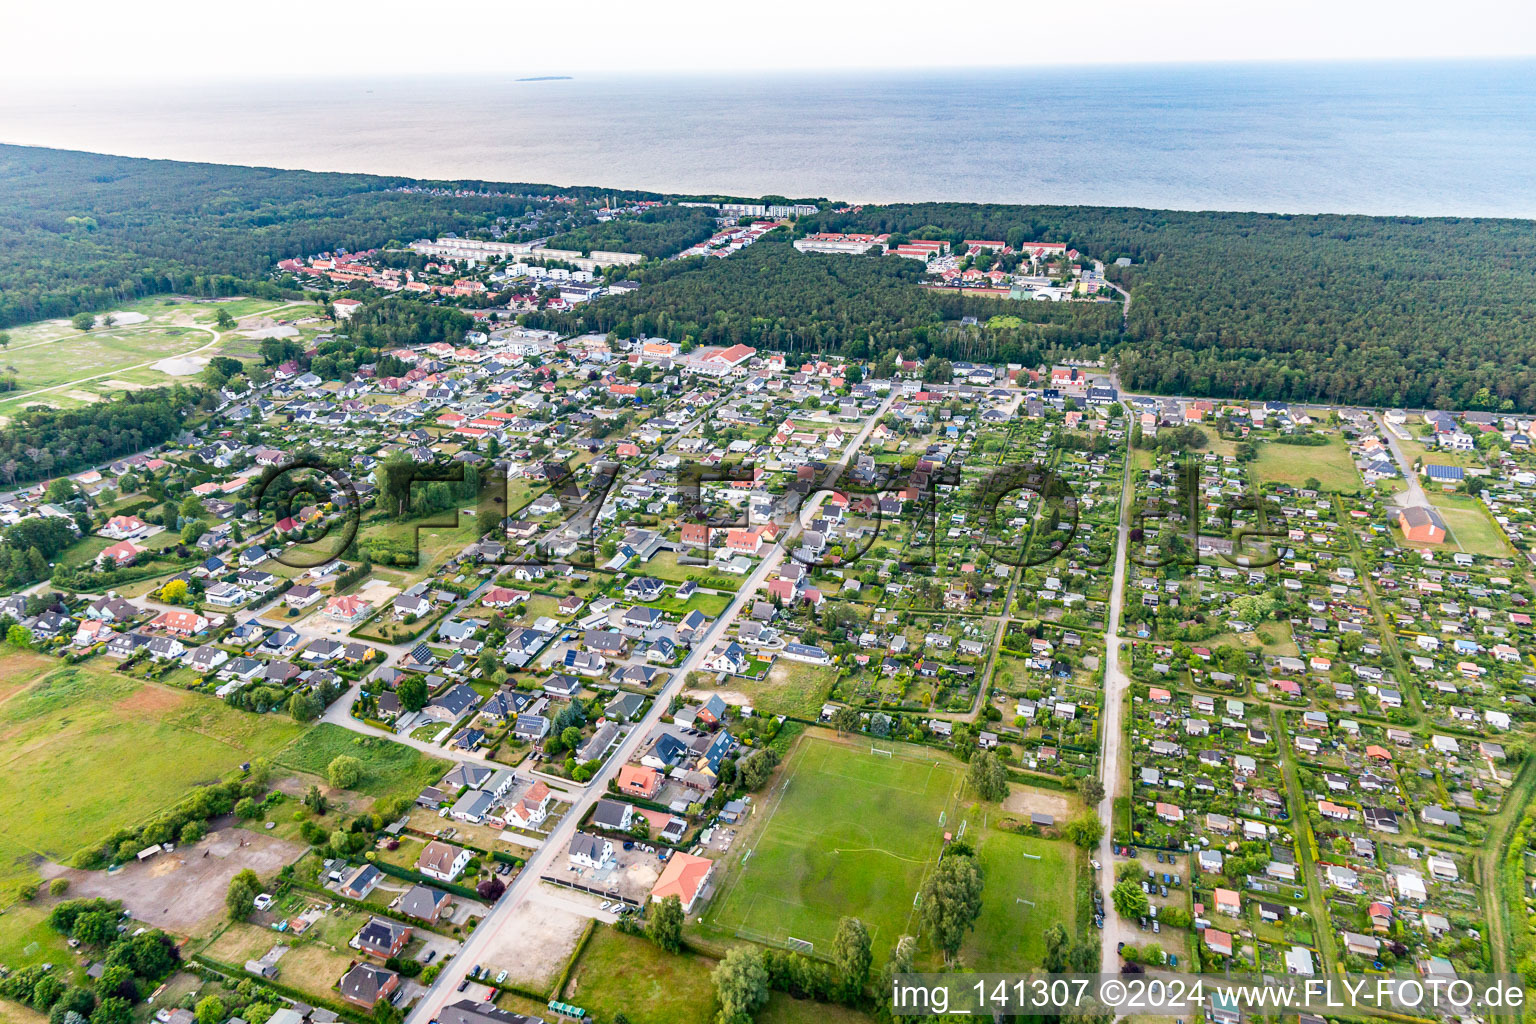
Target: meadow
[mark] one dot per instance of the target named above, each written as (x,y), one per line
(849,833)
(389,769)
(1294,464)
(68,738)
(792,688)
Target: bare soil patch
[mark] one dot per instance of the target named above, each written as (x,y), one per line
(534,944)
(182,891)
(1023,800)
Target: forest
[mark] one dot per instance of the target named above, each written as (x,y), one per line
(81,231)
(655,234)
(42,442)
(1413,312)
(771,296)
(1407,311)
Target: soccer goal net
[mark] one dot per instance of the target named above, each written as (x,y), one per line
(879,753)
(800,945)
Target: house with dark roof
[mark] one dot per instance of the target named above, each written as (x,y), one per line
(365,984)
(382,938)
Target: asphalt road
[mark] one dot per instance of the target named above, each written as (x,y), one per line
(444,988)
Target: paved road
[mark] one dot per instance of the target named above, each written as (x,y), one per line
(1112,757)
(444,989)
(1414,496)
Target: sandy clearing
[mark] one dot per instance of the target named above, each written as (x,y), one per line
(182,891)
(735,697)
(1023,800)
(83,396)
(377,591)
(271,332)
(534,943)
(179,366)
(126,385)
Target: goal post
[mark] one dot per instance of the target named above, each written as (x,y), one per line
(878,752)
(800,945)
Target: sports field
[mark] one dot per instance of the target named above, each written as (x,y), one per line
(849,833)
(1030,885)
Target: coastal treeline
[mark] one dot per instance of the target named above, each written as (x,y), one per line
(82,231)
(655,233)
(1409,311)
(771,296)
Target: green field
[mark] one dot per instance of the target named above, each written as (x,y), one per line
(50,353)
(69,736)
(1294,464)
(1468,524)
(792,688)
(628,974)
(389,768)
(1009,935)
(849,833)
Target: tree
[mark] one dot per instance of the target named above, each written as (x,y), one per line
(18,636)
(570,737)
(412,691)
(224,320)
(304,707)
(852,957)
(951,900)
(174,592)
(1085,830)
(1056,948)
(210,1010)
(1090,789)
(899,962)
(83,321)
(845,719)
(344,771)
(247,808)
(1129,900)
(491,889)
(741,985)
(988,777)
(113,1010)
(95,928)
(665,924)
(756,770)
(242,893)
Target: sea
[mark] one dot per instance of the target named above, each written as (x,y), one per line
(1400,138)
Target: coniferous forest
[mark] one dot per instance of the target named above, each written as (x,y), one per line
(1437,312)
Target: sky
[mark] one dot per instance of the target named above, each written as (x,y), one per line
(49,44)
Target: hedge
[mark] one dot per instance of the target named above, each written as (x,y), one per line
(412,875)
(570,963)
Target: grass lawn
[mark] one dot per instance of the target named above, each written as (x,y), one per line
(1293,464)
(388,767)
(664,566)
(791,688)
(710,604)
(309,965)
(1417,452)
(848,833)
(67,737)
(783,1008)
(631,975)
(1470,527)
(26,939)
(1009,936)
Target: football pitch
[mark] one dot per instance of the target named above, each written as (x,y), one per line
(849,832)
